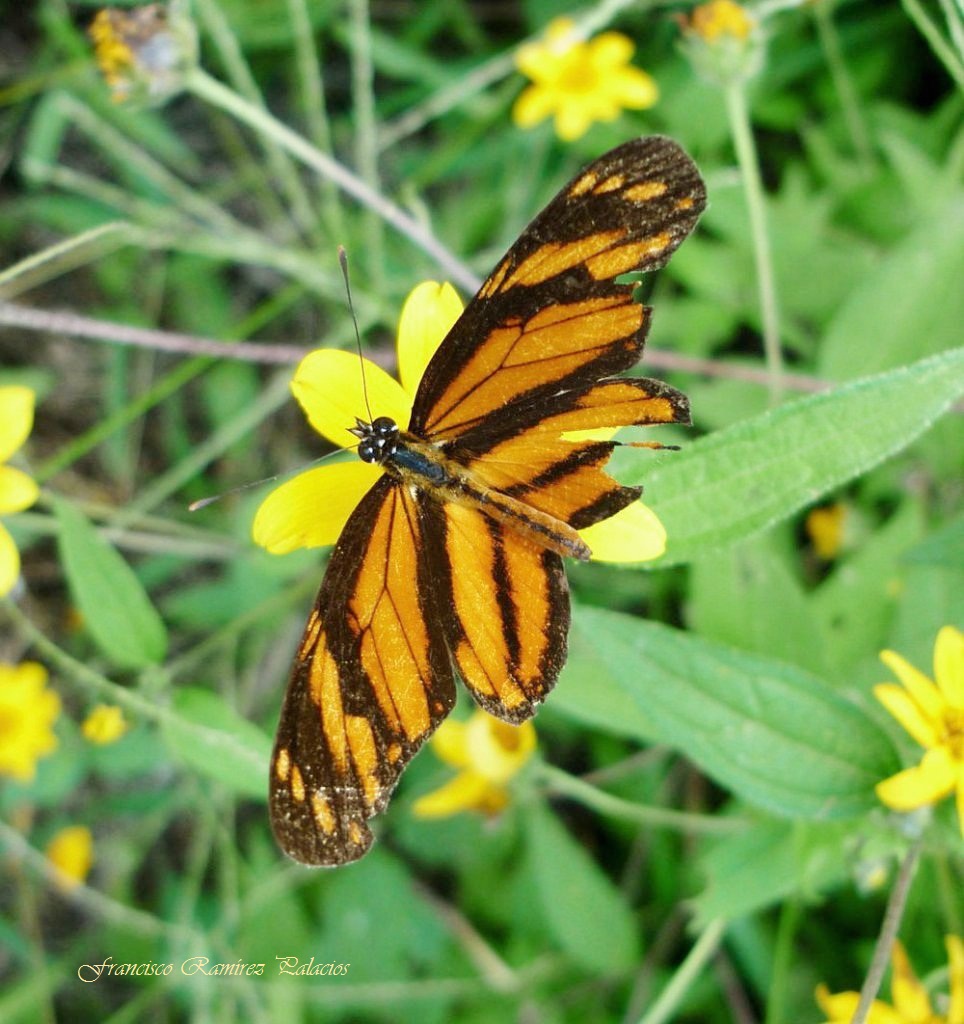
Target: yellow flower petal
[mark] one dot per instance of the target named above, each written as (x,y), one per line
(328,385)
(9,562)
(572,122)
(609,50)
(466,792)
(71,851)
(534,104)
(909,996)
(16,418)
(924,784)
(955,960)
(840,1008)
(960,799)
(924,692)
(105,724)
(908,712)
(449,743)
(28,711)
(949,665)
(17,490)
(635,90)
(311,509)
(427,316)
(496,749)
(634,534)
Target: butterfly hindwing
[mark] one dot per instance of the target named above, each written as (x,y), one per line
(503,604)
(370,683)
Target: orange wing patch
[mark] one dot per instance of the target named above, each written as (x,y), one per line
(509,614)
(518,357)
(366,690)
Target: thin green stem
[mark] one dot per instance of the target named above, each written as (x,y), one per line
(366,132)
(931,32)
(687,972)
(237,68)
(782,961)
(843,83)
(312,88)
(888,933)
(66,255)
(748,161)
(564,784)
(212,91)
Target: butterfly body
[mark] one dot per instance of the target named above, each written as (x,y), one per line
(451,567)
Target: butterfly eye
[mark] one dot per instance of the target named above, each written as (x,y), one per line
(378,441)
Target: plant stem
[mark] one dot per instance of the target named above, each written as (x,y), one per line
(888,933)
(748,160)
(564,784)
(687,972)
(260,120)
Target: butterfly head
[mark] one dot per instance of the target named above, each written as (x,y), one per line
(377,440)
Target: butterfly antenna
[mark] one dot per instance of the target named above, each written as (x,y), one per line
(343,262)
(196,506)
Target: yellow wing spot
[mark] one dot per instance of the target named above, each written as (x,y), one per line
(393,753)
(282,764)
(297,785)
(361,740)
(324,816)
(582,185)
(624,258)
(354,833)
(553,258)
(495,279)
(685,203)
(310,639)
(647,190)
(610,184)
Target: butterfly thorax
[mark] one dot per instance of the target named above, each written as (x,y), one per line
(425,466)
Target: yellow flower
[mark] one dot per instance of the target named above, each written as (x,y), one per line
(578,81)
(933,713)
(825,528)
(28,711)
(143,53)
(723,41)
(911,1004)
(720,19)
(489,753)
(105,724)
(17,490)
(311,509)
(71,851)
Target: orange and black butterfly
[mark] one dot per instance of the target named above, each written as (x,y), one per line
(451,565)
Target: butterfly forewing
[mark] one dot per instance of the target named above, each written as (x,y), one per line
(551,320)
(370,683)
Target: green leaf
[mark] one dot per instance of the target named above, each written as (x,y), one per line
(746,596)
(208,735)
(910,304)
(115,607)
(777,736)
(581,906)
(751,870)
(944,548)
(737,482)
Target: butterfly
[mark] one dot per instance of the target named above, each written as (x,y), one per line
(451,565)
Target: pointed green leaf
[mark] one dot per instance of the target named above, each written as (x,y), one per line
(779,737)
(115,607)
(208,735)
(581,906)
(738,481)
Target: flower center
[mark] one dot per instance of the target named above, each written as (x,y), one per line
(580,77)
(953,733)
